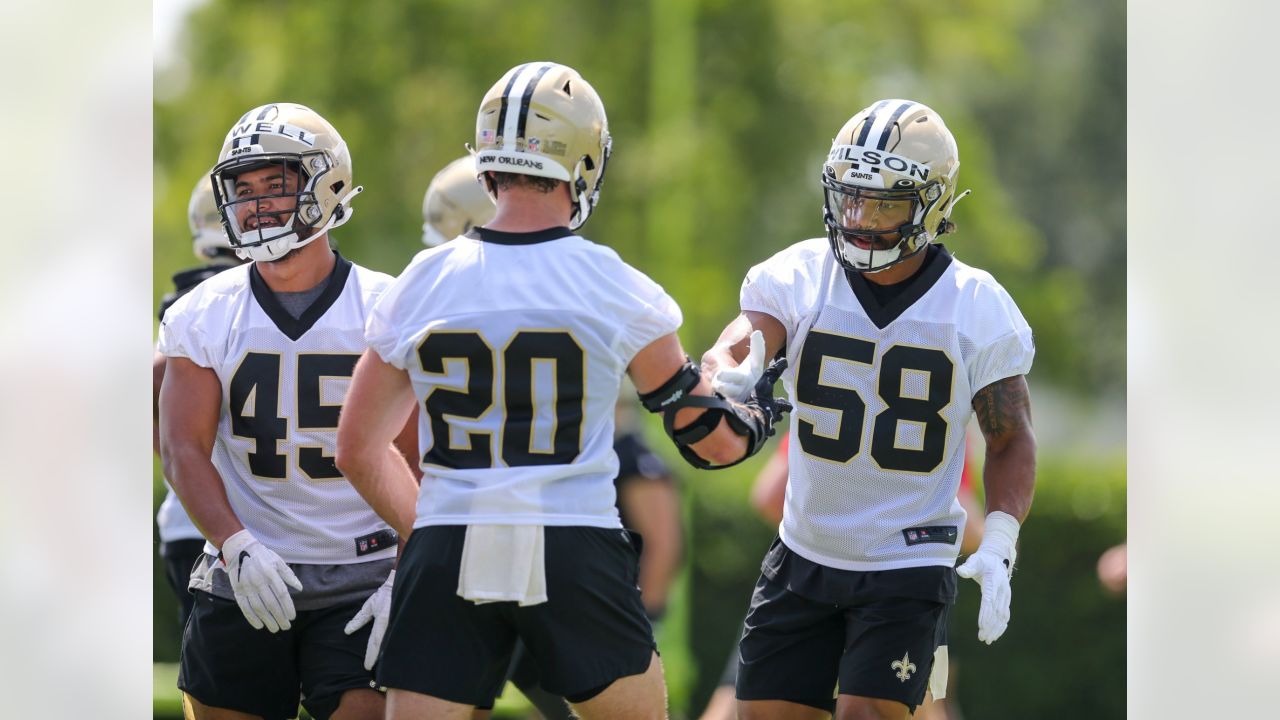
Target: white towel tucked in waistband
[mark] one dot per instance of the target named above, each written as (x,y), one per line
(503,563)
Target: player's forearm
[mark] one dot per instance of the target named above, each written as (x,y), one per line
(383,479)
(198,485)
(658,567)
(653,509)
(1003,409)
(722,446)
(1009,474)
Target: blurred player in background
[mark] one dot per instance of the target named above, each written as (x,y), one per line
(180,541)
(893,346)
(647,498)
(1113,568)
(454,203)
(258,361)
(515,339)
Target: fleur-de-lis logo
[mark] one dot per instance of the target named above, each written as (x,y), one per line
(904,667)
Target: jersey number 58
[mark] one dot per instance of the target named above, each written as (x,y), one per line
(922,409)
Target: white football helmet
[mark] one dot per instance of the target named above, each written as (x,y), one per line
(543,119)
(208,236)
(454,203)
(889,184)
(298,141)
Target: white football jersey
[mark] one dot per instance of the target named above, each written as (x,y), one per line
(516,346)
(882,397)
(283,384)
(172,520)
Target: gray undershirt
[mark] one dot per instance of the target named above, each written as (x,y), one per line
(322,585)
(296,303)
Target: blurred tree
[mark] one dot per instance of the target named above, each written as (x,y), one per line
(722,113)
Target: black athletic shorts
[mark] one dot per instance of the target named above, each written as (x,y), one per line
(591,631)
(179,557)
(227,664)
(810,627)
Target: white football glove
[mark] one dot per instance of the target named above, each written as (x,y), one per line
(259,579)
(992,567)
(378,609)
(737,383)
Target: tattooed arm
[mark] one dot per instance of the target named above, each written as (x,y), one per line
(1009,474)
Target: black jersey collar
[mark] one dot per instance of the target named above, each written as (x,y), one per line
(917,287)
(292,327)
(518,238)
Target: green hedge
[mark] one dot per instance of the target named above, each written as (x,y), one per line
(1063,655)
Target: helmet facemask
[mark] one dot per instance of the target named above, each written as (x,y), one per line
(584,202)
(871,229)
(266,226)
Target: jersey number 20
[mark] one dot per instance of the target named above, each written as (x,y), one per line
(526,348)
(923,411)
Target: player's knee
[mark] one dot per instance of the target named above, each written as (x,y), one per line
(360,704)
(634,697)
(851,707)
(195,710)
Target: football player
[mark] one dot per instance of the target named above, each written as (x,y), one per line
(258,360)
(893,344)
(454,203)
(180,542)
(647,498)
(768,498)
(515,338)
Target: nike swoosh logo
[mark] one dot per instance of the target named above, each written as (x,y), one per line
(240,563)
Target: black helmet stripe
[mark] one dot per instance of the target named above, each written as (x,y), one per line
(511,120)
(506,94)
(871,120)
(891,123)
(527,97)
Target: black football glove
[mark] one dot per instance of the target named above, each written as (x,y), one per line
(771,409)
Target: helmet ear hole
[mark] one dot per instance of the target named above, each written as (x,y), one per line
(568,90)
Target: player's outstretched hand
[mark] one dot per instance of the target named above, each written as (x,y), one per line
(762,394)
(260,581)
(736,383)
(992,567)
(378,609)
